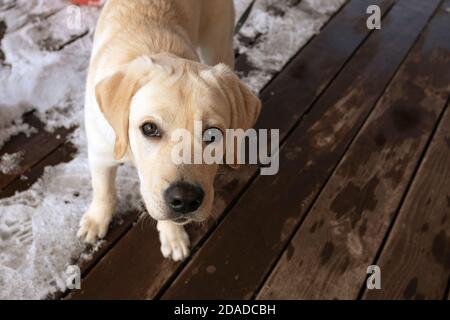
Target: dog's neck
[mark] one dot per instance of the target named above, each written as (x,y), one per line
(162,40)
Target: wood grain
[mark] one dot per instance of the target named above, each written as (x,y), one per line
(329,254)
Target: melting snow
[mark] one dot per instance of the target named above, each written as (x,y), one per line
(9,162)
(46,53)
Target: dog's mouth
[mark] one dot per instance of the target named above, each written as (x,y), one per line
(181,220)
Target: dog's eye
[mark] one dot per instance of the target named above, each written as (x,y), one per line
(150,130)
(211,135)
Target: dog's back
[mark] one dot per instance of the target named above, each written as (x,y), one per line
(140,49)
(148,25)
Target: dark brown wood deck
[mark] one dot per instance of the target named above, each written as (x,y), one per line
(364,178)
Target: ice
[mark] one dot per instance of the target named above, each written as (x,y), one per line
(9,162)
(46,52)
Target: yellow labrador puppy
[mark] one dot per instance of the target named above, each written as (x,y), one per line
(146,81)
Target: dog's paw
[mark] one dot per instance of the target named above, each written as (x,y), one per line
(92,228)
(174,241)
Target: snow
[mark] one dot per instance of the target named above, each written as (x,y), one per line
(9,162)
(47,49)
(272,23)
(11,122)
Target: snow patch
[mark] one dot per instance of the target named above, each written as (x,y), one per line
(274,32)
(9,162)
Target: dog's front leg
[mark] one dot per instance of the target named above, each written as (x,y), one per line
(174,240)
(95,222)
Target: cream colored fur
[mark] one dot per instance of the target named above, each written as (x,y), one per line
(146,66)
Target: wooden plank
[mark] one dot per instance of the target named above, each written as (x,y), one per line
(33,148)
(330,252)
(235,260)
(135,263)
(415,263)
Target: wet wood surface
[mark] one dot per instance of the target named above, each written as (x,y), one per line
(415,262)
(340,237)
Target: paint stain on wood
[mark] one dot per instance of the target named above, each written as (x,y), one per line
(355,200)
(409,121)
(363,228)
(327,252)
(411,288)
(405,120)
(344,265)
(313,227)
(380,140)
(316,226)
(441,249)
(425,227)
(290,251)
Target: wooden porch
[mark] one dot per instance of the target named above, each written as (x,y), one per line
(364,178)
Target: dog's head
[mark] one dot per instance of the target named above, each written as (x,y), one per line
(148,101)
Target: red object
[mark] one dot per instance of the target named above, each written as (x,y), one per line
(87,2)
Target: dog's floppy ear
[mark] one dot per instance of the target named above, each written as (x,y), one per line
(114,95)
(244,105)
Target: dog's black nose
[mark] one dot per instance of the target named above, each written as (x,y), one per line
(184,197)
